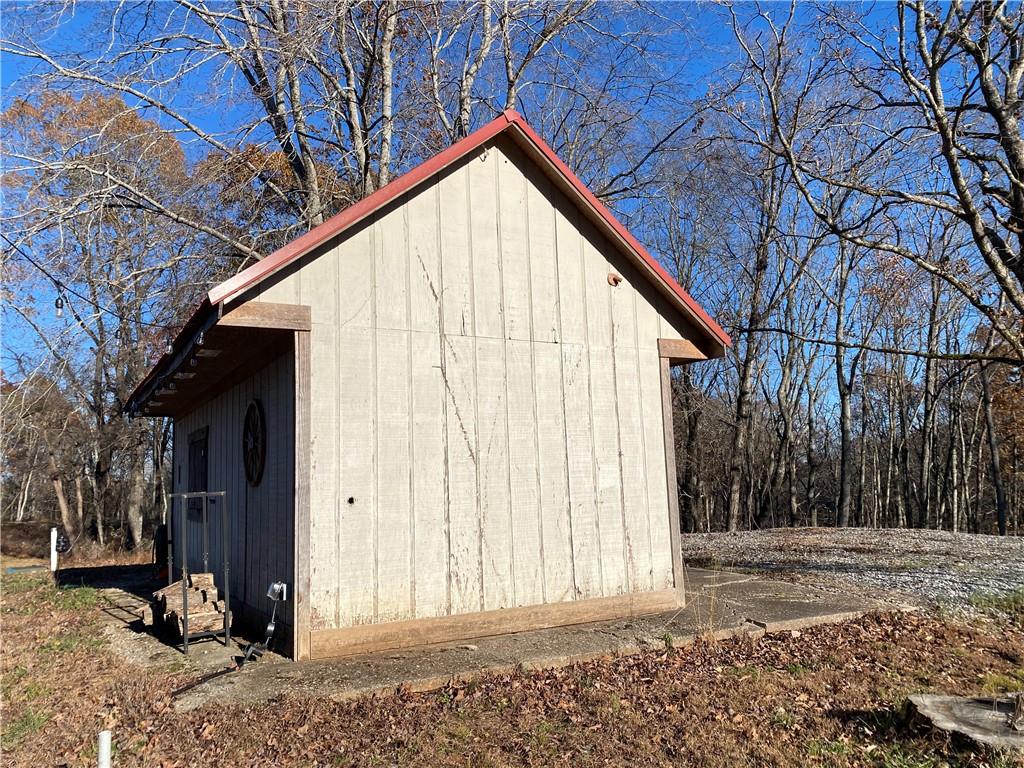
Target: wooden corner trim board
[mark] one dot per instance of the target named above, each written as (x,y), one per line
(679,351)
(366,638)
(301,583)
(675,532)
(259,314)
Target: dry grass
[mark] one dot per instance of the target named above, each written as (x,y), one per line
(830,696)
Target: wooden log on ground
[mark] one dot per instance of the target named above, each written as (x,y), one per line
(203,622)
(201,580)
(196,598)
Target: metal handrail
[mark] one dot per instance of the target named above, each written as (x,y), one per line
(183,549)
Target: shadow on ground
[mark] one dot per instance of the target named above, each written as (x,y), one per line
(138,580)
(126,589)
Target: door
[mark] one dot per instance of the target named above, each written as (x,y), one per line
(198,481)
(198,465)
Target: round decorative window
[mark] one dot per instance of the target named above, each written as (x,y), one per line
(254,442)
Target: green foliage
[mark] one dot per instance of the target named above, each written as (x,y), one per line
(71,641)
(1009,605)
(827,748)
(75,598)
(25,725)
(42,590)
(996,682)
(20,583)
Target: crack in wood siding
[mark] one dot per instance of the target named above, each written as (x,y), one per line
(528,397)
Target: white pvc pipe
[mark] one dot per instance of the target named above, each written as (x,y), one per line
(103,752)
(53,550)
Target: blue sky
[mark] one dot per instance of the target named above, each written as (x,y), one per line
(695,59)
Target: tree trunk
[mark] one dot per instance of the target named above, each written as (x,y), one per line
(812,494)
(739,438)
(79,504)
(58,490)
(26,487)
(690,477)
(136,491)
(993,452)
(845,459)
(931,373)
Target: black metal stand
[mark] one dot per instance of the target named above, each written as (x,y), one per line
(183,551)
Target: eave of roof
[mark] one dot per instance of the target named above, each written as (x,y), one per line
(509,121)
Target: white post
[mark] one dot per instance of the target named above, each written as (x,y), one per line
(103,753)
(53,550)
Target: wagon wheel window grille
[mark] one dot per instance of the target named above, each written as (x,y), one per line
(254,442)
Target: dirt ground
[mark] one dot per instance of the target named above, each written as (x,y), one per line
(830,695)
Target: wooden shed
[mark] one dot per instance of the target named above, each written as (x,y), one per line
(463,381)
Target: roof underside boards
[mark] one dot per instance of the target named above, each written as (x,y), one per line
(509,123)
(227,355)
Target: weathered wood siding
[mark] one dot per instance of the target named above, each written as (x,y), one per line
(260,536)
(486,409)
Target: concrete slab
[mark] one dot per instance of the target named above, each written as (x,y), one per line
(719,605)
(134,642)
(779,606)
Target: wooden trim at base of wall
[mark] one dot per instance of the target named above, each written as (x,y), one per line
(366,638)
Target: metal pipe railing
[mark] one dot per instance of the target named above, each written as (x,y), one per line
(182,552)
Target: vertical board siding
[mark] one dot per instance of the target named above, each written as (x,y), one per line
(394,545)
(260,545)
(465,547)
(581,480)
(486,416)
(523,474)
(429,508)
(493,482)
(552,470)
(323,292)
(657,489)
(355,568)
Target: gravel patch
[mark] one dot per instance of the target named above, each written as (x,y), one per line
(927,568)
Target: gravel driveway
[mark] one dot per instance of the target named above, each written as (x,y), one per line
(926,568)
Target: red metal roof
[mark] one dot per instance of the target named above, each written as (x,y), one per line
(535,147)
(508,121)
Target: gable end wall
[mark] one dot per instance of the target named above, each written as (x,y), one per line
(486,417)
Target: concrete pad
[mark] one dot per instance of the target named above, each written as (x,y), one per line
(700,578)
(125,592)
(720,605)
(779,606)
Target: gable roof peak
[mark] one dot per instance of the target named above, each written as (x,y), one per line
(512,123)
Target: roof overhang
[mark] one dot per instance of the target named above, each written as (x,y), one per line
(510,123)
(216,349)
